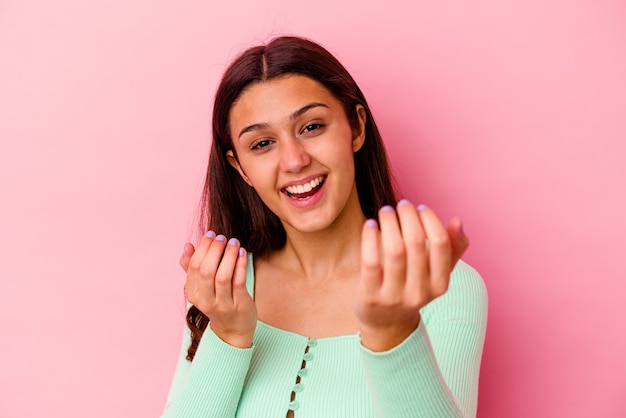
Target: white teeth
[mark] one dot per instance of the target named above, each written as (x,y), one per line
(306,187)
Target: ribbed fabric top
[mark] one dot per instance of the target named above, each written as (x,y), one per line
(432,373)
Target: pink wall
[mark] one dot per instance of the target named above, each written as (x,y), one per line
(511,114)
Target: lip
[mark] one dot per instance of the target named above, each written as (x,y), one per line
(308,201)
(302,181)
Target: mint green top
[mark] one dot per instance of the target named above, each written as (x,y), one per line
(433,373)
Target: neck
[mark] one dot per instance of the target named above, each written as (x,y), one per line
(326,254)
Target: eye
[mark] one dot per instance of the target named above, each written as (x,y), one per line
(260,145)
(311,127)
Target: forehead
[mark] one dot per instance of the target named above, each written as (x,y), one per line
(277,98)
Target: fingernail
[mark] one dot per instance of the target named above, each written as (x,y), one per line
(421,208)
(210,234)
(220,238)
(233,241)
(387,208)
(242,252)
(404,202)
(370,223)
(461,229)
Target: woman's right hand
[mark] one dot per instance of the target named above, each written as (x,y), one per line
(216,285)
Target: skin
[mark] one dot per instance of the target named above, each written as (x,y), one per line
(293,130)
(331,252)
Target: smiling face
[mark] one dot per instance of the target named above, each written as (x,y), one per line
(295,147)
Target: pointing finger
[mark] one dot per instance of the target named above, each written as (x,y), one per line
(203,246)
(239,277)
(415,243)
(225,270)
(439,249)
(370,257)
(394,252)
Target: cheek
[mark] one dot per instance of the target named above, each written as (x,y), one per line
(258,174)
(342,155)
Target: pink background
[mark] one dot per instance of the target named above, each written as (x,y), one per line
(510,114)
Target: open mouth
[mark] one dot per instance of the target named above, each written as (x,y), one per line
(303,191)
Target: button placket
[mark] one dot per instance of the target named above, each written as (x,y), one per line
(302,373)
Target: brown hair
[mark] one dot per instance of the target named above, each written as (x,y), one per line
(229,206)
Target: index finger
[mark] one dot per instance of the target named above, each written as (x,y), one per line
(439,249)
(370,257)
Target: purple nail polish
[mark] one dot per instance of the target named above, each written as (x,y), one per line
(220,238)
(387,208)
(242,252)
(210,234)
(404,202)
(233,241)
(370,223)
(421,208)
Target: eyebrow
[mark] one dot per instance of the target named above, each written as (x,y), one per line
(293,116)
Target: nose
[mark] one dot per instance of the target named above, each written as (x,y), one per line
(293,155)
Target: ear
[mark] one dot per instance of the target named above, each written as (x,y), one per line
(232,160)
(359,134)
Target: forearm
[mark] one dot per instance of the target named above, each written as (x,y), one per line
(406,382)
(213,382)
(438,365)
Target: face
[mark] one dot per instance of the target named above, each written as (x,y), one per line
(295,147)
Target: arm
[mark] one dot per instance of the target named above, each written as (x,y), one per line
(434,372)
(406,289)
(211,385)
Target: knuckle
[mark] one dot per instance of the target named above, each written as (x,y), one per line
(396,252)
(369,300)
(205,272)
(204,308)
(364,296)
(440,288)
(191,297)
(195,264)
(396,301)
(440,241)
(414,302)
(414,242)
(370,264)
(222,279)
(417,301)
(437,290)
(239,284)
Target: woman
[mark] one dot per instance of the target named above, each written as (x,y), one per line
(315,292)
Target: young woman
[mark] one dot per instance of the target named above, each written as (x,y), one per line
(315,293)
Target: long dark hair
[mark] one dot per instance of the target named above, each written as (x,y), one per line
(230,206)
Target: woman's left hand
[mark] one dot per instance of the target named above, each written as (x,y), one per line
(404,266)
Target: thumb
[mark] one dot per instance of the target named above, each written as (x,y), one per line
(188,251)
(458,239)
